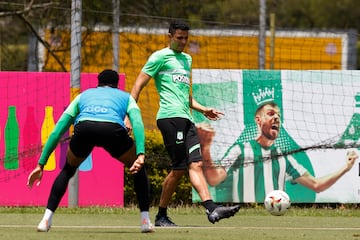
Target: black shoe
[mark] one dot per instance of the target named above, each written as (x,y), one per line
(222,212)
(164,221)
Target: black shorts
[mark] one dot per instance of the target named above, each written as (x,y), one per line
(111,136)
(181,141)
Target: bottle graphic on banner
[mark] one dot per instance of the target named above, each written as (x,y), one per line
(86,165)
(11,132)
(63,149)
(351,134)
(46,128)
(31,140)
(64,144)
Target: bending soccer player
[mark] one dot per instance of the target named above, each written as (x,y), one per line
(171,68)
(104,129)
(253,169)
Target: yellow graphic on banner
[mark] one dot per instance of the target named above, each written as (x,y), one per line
(46,128)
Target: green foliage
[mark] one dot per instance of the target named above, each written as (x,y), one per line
(222,14)
(157,165)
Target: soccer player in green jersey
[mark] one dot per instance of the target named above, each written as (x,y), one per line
(252,169)
(170,67)
(98,117)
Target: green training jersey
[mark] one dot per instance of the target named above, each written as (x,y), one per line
(171,71)
(253,171)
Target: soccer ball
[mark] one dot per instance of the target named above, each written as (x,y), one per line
(277,202)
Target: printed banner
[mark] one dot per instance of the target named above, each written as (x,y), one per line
(31,103)
(320,122)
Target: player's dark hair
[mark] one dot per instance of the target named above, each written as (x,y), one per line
(272,104)
(109,78)
(178,24)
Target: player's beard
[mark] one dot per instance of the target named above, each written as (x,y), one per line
(177,47)
(270,133)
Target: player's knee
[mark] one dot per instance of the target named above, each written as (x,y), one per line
(196,166)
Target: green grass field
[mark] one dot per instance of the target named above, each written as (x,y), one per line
(123,223)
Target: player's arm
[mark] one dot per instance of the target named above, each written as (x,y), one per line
(135,118)
(136,121)
(60,128)
(209,113)
(214,173)
(323,183)
(140,82)
(153,65)
(63,124)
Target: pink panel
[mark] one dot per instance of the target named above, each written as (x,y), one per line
(30,92)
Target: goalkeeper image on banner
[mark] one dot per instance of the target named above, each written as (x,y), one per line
(97,115)
(250,170)
(171,69)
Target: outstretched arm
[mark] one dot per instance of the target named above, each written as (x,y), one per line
(209,113)
(323,183)
(214,174)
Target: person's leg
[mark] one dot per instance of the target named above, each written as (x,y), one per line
(173,132)
(141,187)
(142,190)
(59,186)
(80,147)
(198,180)
(168,188)
(58,190)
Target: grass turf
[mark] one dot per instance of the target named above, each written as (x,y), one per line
(252,222)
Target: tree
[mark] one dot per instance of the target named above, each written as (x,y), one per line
(29,17)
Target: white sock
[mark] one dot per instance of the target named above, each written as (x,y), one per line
(145,215)
(48,215)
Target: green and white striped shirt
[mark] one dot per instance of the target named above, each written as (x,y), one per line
(253,171)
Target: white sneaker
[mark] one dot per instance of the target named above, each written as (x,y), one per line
(44,226)
(146,226)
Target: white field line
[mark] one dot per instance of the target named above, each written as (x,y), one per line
(193,227)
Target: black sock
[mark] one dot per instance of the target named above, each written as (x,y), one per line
(209,205)
(162,212)
(59,186)
(142,189)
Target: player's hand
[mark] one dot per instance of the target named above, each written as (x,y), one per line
(213,114)
(35,176)
(351,156)
(138,164)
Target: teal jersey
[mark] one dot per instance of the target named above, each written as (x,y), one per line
(253,171)
(171,72)
(103,104)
